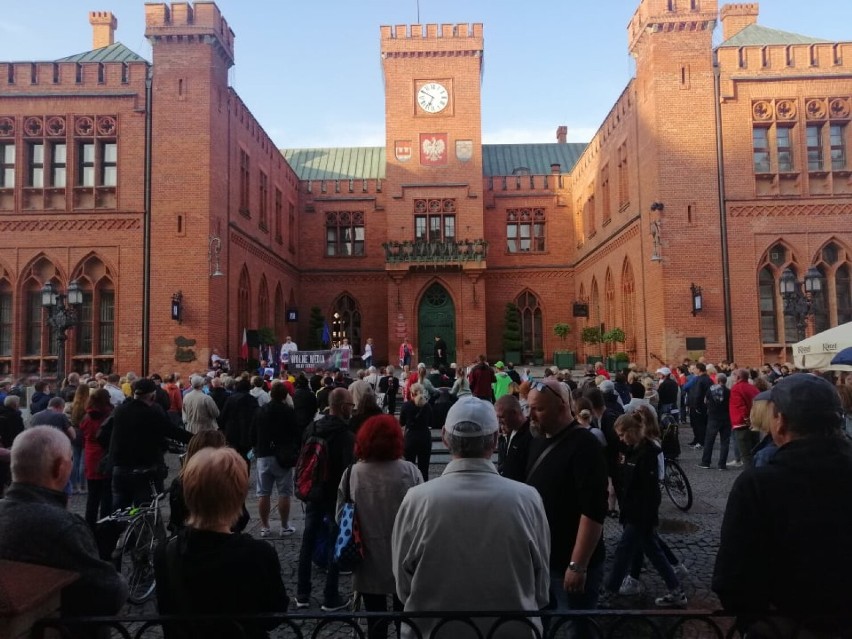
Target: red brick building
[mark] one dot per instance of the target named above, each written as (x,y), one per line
(148,182)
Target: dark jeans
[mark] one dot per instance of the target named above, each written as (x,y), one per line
(639,559)
(747,439)
(633,539)
(377,629)
(418,449)
(564,601)
(98,501)
(314,513)
(698,421)
(723,429)
(129,489)
(78,476)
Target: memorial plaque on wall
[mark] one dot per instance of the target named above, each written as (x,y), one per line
(696,343)
(581,310)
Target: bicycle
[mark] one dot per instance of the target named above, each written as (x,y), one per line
(134,550)
(677,485)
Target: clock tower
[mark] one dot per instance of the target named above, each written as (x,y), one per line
(433,125)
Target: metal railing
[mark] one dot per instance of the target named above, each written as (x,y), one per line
(435,251)
(599,624)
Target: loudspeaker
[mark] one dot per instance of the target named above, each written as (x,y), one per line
(252,338)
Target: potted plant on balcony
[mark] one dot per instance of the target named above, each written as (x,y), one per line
(512,334)
(591,335)
(563,358)
(614,336)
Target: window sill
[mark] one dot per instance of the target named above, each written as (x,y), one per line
(842,172)
(788,174)
(818,173)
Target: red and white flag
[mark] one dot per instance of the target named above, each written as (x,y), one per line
(244,353)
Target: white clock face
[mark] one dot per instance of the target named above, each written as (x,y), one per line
(433,97)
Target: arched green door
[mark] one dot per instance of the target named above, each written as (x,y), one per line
(437,316)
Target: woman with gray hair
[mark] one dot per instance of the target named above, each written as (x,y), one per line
(366,405)
(416,419)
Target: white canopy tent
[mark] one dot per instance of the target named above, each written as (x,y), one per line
(816,352)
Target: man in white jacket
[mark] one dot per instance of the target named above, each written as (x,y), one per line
(449,531)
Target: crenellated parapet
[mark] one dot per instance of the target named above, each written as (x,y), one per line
(432,40)
(671,16)
(794,60)
(185,22)
(61,77)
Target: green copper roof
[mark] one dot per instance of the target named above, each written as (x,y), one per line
(113,53)
(353,163)
(505,159)
(756,35)
(368,163)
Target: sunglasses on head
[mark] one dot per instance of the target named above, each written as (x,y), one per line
(541,387)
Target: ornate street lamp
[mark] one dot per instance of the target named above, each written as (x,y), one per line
(799,296)
(62,313)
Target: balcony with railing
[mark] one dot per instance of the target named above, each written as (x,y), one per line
(437,253)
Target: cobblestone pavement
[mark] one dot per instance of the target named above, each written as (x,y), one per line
(693,536)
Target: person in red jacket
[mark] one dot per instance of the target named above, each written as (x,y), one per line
(742,396)
(481,377)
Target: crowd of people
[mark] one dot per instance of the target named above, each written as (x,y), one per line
(524,533)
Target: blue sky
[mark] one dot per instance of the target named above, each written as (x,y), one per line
(547,62)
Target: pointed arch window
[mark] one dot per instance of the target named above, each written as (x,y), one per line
(609,294)
(243,297)
(5,318)
(628,303)
(531,325)
(94,336)
(822,320)
(843,294)
(791,331)
(263,304)
(768,313)
(346,323)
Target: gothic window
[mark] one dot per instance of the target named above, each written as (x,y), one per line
(5,318)
(346,323)
(628,301)
(531,324)
(767,295)
(784,147)
(760,143)
(7,166)
(245,183)
(605,201)
(94,336)
(263,195)
(263,304)
(595,305)
(815,158)
(243,301)
(843,297)
(279,212)
(435,220)
(609,293)
(838,146)
(344,233)
(525,230)
(820,304)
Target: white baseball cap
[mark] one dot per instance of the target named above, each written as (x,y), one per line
(471,410)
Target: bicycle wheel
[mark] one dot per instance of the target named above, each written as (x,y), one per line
(137,559)
(677,486)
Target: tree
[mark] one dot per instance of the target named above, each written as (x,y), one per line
(316,323)
(591,335)
(512,329)
(561,331)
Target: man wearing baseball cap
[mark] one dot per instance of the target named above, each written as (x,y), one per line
(667,390)
(787,528)
(465,520)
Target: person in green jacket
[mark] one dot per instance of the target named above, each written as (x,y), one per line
(501,386)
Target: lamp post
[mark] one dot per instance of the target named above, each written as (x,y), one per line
(62,314)
(799,296)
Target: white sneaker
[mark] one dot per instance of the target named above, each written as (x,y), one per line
(286,531)
(264,532)
(631,587)
(736,464)
(674,599)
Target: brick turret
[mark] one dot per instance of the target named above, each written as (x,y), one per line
(104,24)
(736,17)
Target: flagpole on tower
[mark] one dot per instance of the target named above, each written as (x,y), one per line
(418,11)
